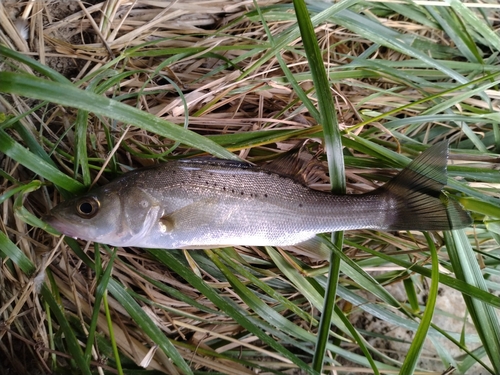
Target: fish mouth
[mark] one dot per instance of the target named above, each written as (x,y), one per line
(59,226)
(49,219)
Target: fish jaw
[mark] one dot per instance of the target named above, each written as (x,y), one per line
(73,229)
(61,226)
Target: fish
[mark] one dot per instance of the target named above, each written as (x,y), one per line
(207,203)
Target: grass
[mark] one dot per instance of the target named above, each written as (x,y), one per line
(168,83)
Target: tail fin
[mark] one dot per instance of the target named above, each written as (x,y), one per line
(416,198)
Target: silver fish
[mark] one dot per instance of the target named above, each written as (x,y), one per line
(203,203)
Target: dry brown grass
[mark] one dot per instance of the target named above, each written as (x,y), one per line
(77,39)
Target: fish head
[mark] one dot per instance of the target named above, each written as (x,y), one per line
(113,215)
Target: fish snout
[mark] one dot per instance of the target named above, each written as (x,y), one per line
(48,218)
(57,225)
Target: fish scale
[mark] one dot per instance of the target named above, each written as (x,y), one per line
(202,203)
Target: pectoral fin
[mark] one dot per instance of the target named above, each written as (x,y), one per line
(167,224)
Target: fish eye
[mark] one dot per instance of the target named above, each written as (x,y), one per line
(87,207)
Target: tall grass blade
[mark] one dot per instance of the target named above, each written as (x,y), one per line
(228,307)
(35,163)
(68,95)
(68,332)
(417,345)
(485,318)
(488,35)
(333,146)
(9,250)
(147,325)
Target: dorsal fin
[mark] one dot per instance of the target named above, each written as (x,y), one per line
(299,166)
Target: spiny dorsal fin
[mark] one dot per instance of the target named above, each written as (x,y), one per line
(299,166)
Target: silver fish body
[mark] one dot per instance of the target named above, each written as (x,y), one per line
(202,203)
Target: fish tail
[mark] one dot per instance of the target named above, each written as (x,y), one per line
(416,198)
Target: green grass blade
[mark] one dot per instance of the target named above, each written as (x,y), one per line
(147,325)
(363,279)
(481,207)
(256,304)
(32,143)
(226,306)
(287,304)
(335,157)
(35,163)
(484,316)
(457,32)
(32,63)
(109,320)
(101,290)
(68,332)
(327,110)
(289,35)
(327,313)
(68,95)
(417,345)
(8,249)
(489,36)
(304,285)
(460,285)
(359,339)
(81,157)
(460,97)
(296,87)
(413,12)
(382,35)
(397,321)
(411,293)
